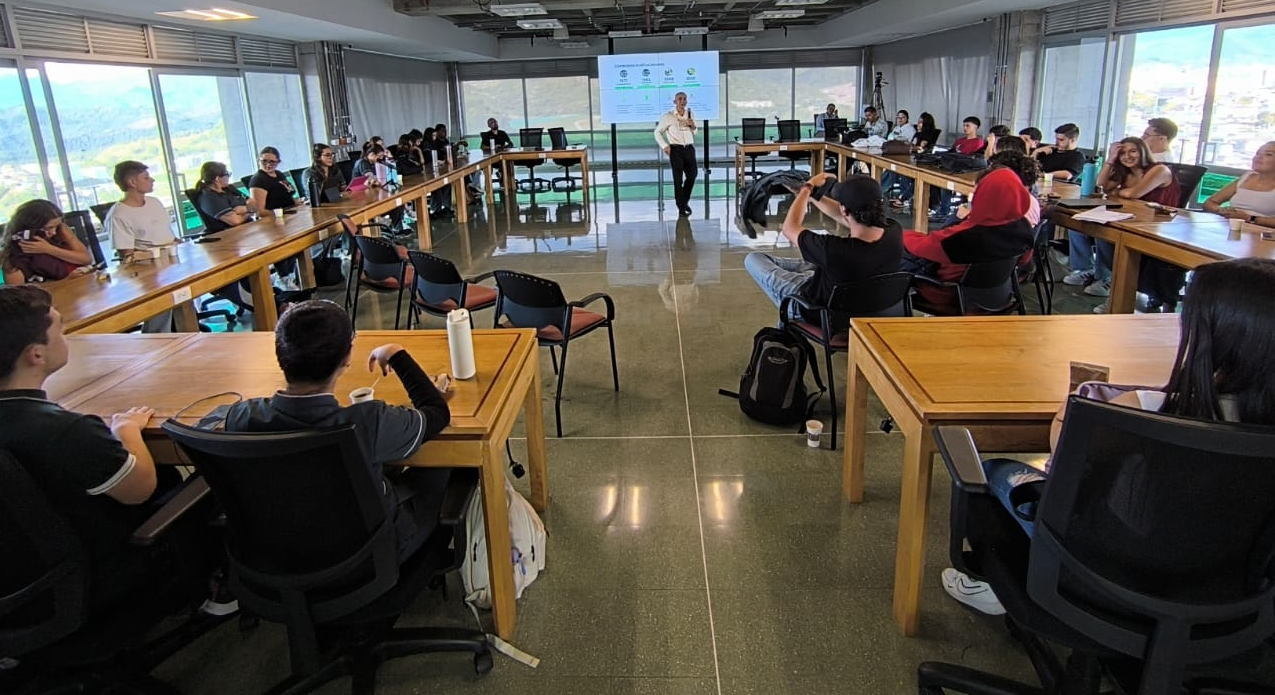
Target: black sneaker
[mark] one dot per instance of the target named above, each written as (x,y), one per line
(220,600)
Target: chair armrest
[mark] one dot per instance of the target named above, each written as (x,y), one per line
(926,279)
(191,492)
(785,306)
(461,488)
(956,446)
(593,298)
(479,278)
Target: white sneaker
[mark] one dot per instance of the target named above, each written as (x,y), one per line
(1059,258)
(1102,309)
(1078,278)
(975,594)
(1101,288)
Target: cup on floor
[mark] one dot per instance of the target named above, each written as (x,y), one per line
(814,430)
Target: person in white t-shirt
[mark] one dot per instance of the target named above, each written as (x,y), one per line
(139,221)
(902,129)
(1159,138)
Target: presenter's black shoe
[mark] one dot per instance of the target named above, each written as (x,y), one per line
(684,212)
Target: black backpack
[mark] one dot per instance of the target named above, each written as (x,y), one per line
(773,387)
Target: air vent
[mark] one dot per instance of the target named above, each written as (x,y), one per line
(51,31)
(114,38)
(4,32)
(175,44)
(1081,16)
(1236,6)
(216,48)
(264,52)
(1132,12)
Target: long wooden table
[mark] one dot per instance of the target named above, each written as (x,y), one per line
(1003,377)
(815,148)
(110,373)
(1190,239)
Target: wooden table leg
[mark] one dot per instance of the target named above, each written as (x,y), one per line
(739,170)
(185,318)
(1124,279)
(264,313)
(500,574)
(461,197)
(921,206)
(424,237)
(584,182)
(491,186)
(533,409)
(841,166)
(914,506)
(855,431)
(305,269)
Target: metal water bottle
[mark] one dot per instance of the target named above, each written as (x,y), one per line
(1088,177)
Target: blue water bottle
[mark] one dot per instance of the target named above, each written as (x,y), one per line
(1088,177)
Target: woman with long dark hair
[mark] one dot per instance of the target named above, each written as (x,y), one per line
(37,244)
(222,204)
(1221,373)
(323,174)
(269,188)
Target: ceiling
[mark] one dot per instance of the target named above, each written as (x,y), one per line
(593,18)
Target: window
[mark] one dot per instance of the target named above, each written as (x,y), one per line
(1244,100)
(501,99)
(277,110)
(106,114)
(558,102)
(1071,89)
(20,176)
(759,94)
(206,122)
(1166,76)
(818,87)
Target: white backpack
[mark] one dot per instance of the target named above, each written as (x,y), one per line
(528,554)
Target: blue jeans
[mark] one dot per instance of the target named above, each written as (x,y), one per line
(777,276)
(890,179)
(1081,255)
(1003,475)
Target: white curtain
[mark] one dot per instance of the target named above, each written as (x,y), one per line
(947,74)
(390,96)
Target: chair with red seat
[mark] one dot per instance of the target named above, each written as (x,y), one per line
(880,295)
(527,301)
(378,265)
(439,288)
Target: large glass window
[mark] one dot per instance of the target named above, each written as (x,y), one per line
(277,108)
(1165,74)
(106,114)
(558,102)
(20,176)
(759,94)
(61,193)
(817,87)
(206,122)
(1244,100)
(1071,88)
(501,99)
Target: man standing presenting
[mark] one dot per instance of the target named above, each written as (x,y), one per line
(675,134)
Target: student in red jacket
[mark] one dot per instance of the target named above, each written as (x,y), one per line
(996,228)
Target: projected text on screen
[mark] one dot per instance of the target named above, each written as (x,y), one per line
(639,87)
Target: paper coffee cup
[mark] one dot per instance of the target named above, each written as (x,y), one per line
(278,213)
(1049,177)
(360,395)
(172,250)
(814,430)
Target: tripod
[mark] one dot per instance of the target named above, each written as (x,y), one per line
(877,101)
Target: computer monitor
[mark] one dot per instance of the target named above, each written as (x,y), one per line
(833,128)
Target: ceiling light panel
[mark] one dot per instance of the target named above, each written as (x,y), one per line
(690,31)
(574,44)
(741,37)
(216,14)
(540,24)
(781,14)
(798,3)
(521,9)
(624,34)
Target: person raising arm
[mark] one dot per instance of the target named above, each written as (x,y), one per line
(37,244)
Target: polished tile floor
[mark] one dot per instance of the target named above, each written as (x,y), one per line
(691,550)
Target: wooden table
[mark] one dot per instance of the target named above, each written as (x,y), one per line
(169,373)
(815,148)
(510,157)
(1003,377)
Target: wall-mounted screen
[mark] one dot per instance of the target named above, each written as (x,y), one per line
(639,87)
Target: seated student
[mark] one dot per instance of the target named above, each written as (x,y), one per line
(873,247)
(970,142)
(829,112)
(1159,136)
(219,200)
(927,134)
(1012,155)
(1062,159)
(994,136)
(1221,373)
(1252,196)
(996,228)
(139,221)
(1031,138)
(873,125)
(323,174)
(366,166)
(494,139)
(314,346)
(100,476)
(902,129)
(37,245)
(269,188)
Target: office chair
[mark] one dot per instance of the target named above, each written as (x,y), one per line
(298,180)
(377,264)
(346,167)
(1151,550)
(100,211)
(790,131)
(527,301)
(1189,177)
(311,546)
(244,180)
(881,295)
(47,578)
(82,224)
(558,141)
(754,130)
(984,288)
(440,289)
(531,139)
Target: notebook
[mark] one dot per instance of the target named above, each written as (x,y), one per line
(358,184)
(1086,203)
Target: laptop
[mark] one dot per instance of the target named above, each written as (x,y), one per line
(358,184)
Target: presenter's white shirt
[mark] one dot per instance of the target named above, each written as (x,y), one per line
(670,131)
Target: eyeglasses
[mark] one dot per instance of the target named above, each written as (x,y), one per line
(270,161)
(224,175)
(325,155)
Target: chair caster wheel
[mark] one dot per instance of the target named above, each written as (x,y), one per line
(483,663)
(887,425)
(517,469)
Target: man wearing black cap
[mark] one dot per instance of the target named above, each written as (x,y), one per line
(874,246)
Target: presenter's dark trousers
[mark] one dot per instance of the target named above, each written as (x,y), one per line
(683,159)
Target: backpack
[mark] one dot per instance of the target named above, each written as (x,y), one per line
(527,534)
(773,387)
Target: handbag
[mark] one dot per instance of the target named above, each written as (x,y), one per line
(327,268)
(896,147)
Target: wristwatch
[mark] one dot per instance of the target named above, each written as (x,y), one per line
(1252,219)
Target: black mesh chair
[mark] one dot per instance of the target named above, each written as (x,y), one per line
(527,301)
(754,130)
(882,295)
(230,293)
(346,167)
(81,222)
(558,141)
(311,546)
(100,210)
(298,180)
(439,288)
(790,131)
(376,264)
(47,621)
(984,288)
(1152,551)
(532,139)
(1189,177)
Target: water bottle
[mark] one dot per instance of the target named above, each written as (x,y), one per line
(1088,177)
